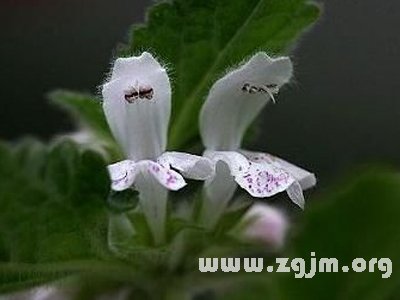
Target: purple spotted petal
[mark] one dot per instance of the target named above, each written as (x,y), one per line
(304,177)
(167,177)
(264,179)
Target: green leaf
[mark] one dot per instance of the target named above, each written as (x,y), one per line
(86,109)
(59,175)
(201,39)
(53,202)
(17,276)
(88,113)
(30,155)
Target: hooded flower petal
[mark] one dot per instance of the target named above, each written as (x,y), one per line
(236,99)
(191,166)
(305,178)
(137,105)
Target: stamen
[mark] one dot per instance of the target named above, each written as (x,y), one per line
(131,95)
(271,95)
(271,86)
(254,90)
(138,92)
(246,87)
(270,89)
(146,92)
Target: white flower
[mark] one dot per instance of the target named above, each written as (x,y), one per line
(265,224)
(137,105)
(232,105)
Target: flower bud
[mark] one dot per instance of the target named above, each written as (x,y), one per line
(265,224)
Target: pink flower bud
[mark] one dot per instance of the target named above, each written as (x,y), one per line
(265,224)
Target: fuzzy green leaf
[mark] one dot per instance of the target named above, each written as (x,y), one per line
(54,210)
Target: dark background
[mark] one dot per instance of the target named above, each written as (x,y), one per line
(342,111)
